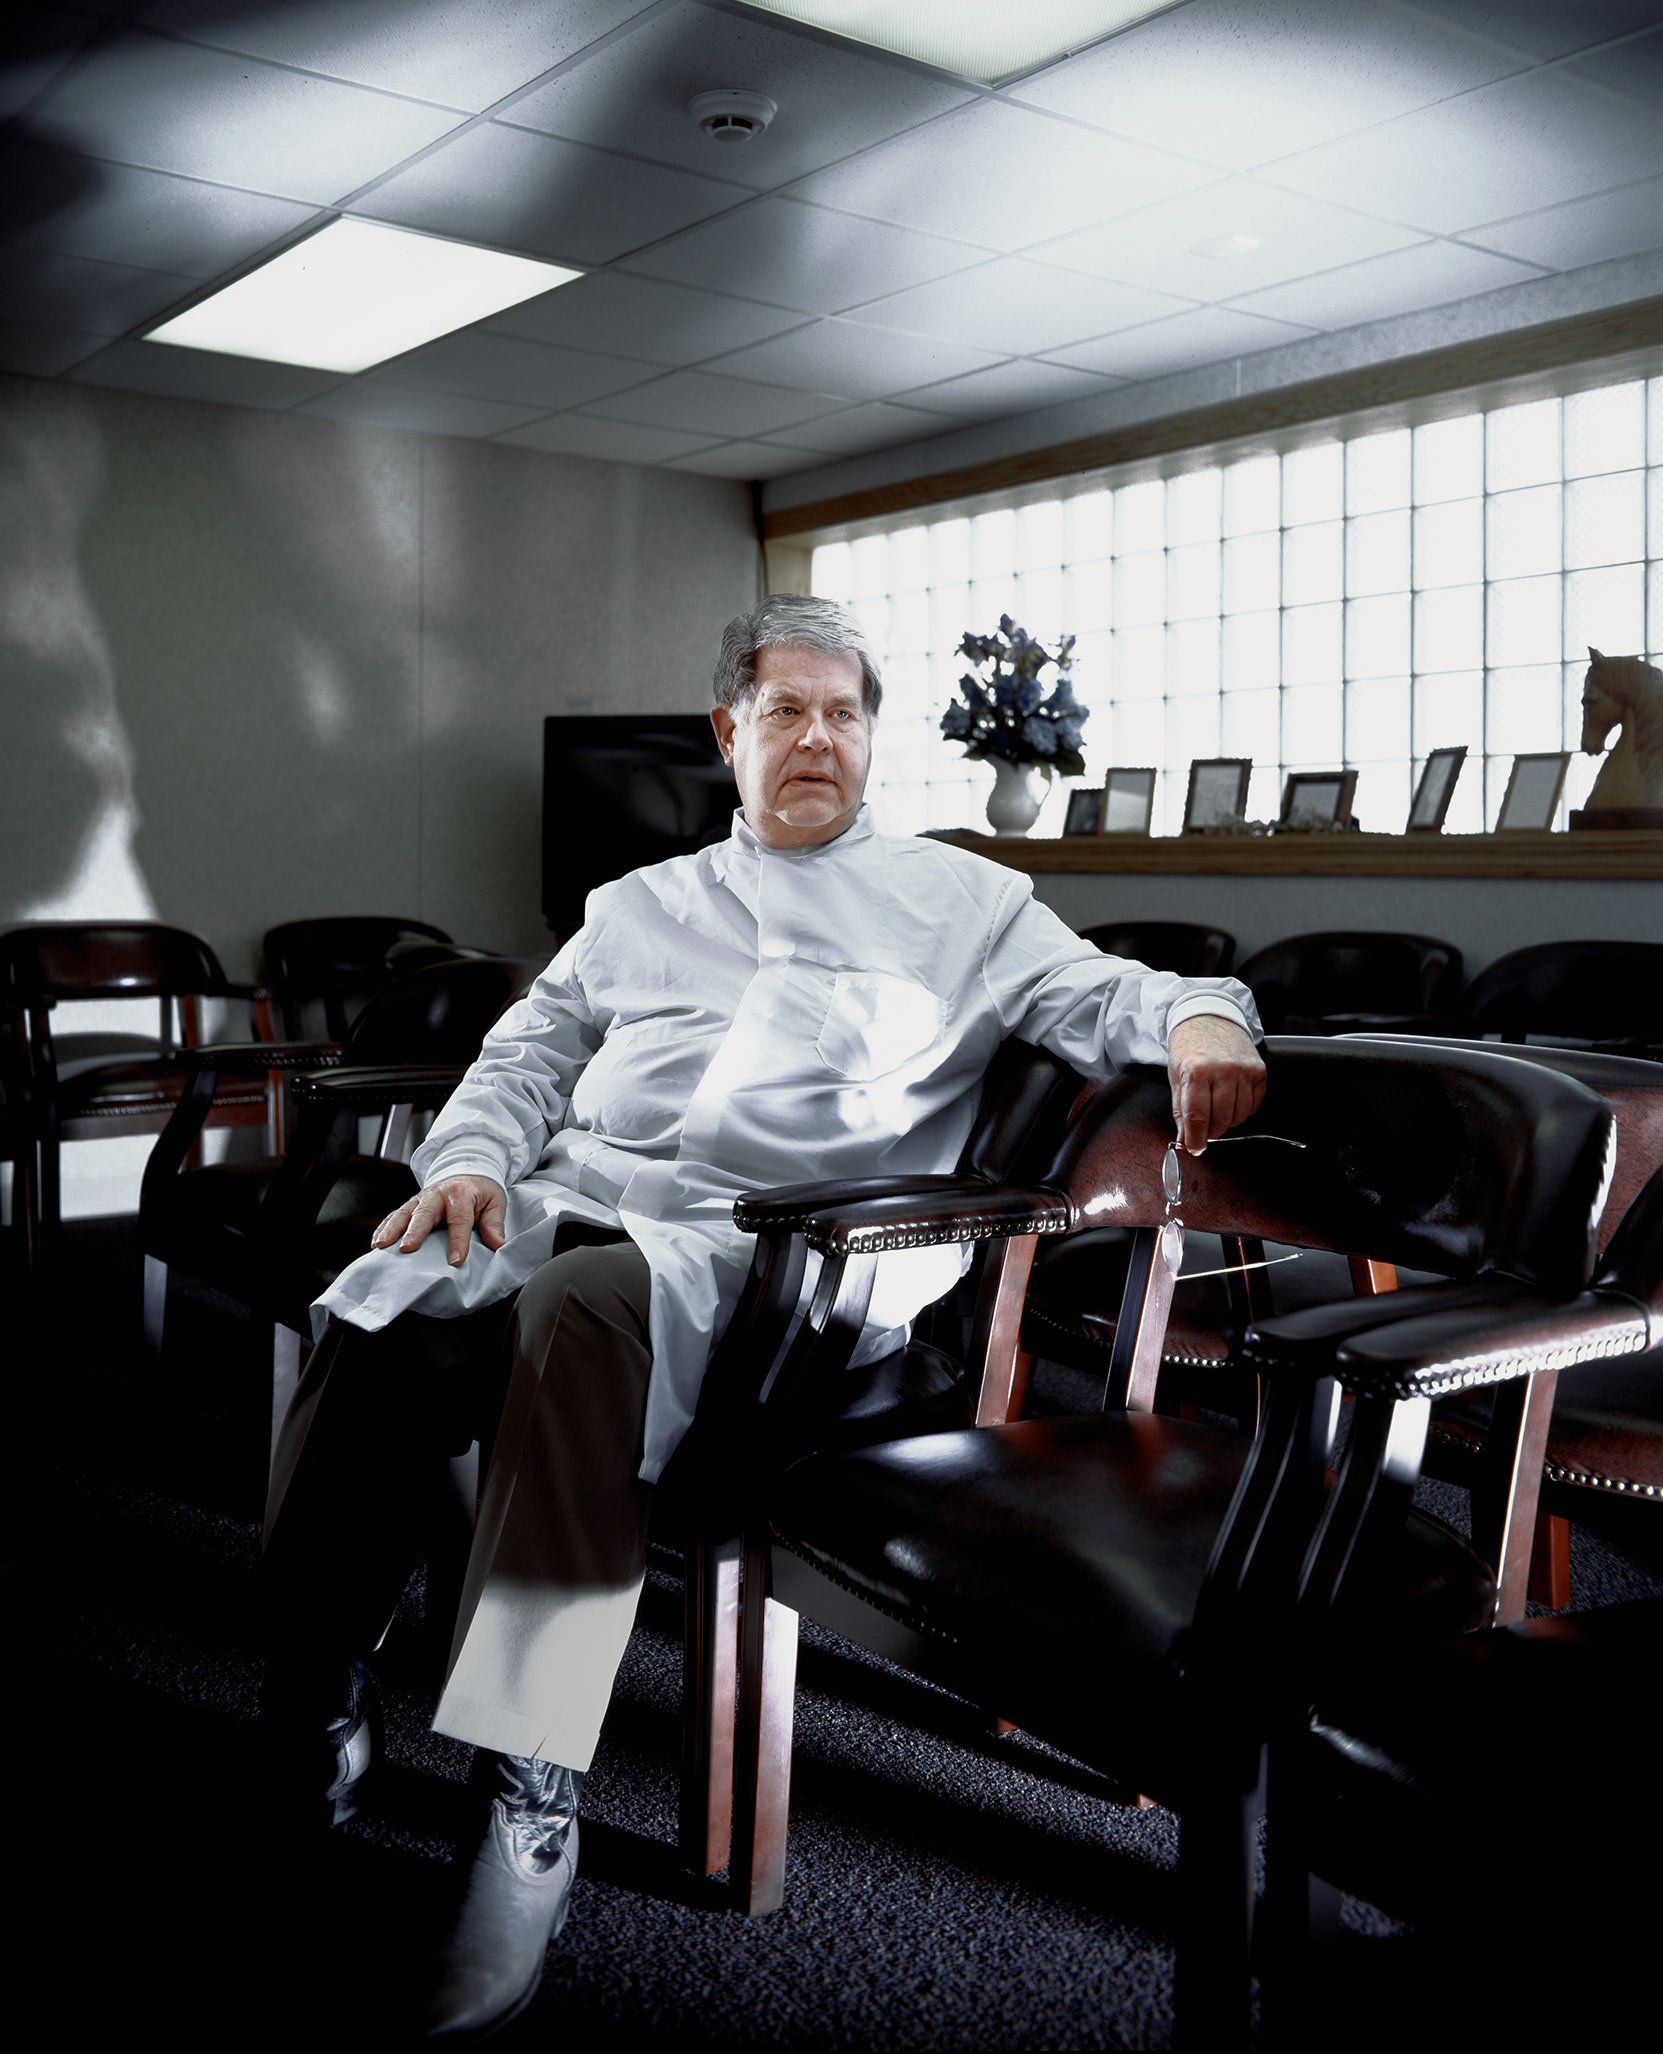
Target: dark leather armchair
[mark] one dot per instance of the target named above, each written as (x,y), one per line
(92,1085)
(1540,1733)
(1592,994)
(1328,983)
(1118,1583)
(1602,1459)
(1183,946)
(322,971)
(272,1232)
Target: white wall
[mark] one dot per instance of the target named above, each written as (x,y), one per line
(254,667)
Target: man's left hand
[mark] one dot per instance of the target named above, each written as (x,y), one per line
(1218,1078)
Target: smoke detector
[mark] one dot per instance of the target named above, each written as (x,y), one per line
(732,116)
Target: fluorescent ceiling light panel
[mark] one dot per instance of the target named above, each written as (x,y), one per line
(355,294)
(987,40)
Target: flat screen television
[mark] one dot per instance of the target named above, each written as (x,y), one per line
(621,790)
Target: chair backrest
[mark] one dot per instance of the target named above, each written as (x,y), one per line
(1026,1094)
(1183,946)
(438,1014)
(1306,976)
(322,971)
(1598,990)
(96,959)
(1631,1087)
(1455,1161)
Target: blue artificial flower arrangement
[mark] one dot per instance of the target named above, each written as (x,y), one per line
(1006,715)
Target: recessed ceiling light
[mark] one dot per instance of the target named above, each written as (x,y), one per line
(355,294)
(987,40)
(1225,246)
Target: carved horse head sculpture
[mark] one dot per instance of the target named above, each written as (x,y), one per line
(1625,692)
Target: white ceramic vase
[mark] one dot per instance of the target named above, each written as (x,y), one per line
(1018,793)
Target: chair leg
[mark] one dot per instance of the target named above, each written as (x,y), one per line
(710,1681)
(1550,1562)
(1217,1838)
(762,1762)
(286,1349)
(155,1308)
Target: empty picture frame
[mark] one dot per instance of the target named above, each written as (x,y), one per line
(1435,790)
(1317,798)
(1217,793)
(1085,808)
(1533,787)
(1128,800)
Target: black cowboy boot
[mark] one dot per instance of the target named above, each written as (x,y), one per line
(514,1899)
(317,1744)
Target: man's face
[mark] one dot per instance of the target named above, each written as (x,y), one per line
(800,747)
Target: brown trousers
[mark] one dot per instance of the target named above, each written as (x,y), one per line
(553,1385)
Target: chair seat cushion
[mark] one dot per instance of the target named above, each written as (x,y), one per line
(1057,1558)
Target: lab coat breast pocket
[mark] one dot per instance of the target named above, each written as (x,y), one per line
(875,1023)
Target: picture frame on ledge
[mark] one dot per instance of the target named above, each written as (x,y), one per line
(1434,790)
(1085,810)
(1127,800)
(1317,798)
(1217,795)
(1534,785)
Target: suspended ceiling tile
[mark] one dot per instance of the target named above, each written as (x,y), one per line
(505,367)
(849,358)
(1430,275)
(1015,388)
(616,442)
(173,107)
(34,352)
(1184,245)
(376,404)
(513,190)
(1002,176)
(77,292)
(1543,28)
(50,199)
(859,429)
(460,53)
(633,94)
(38,43)
(1237,81)
(201,374)
(1633,68)
(645,318)
(1448,168)
(792,255)
(1180,343)
(1019,308)
(747,460)
(705,404)
(1614,224)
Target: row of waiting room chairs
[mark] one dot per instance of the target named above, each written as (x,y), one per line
(1433,1156)
(1599,994)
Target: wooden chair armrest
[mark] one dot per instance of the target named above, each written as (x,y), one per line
(786,1208)
(1464,1348)
(242,1056)
(964,1210)
(372,1088)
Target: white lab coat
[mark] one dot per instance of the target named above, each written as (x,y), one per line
(746,1017)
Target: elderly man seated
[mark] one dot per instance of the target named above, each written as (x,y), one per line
(808,998)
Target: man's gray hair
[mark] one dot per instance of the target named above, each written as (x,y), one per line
(785,619)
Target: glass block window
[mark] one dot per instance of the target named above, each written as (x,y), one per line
(1360,600)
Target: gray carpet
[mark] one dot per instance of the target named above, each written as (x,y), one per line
(947,1891)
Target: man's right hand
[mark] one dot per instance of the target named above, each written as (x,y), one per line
(466,1205)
